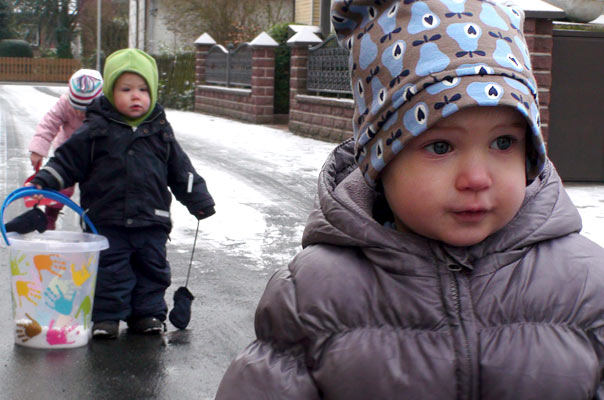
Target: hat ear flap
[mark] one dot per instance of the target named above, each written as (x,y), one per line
(350,17)
(343,25)
(515,13)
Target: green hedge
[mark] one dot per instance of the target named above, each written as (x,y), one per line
(279,32)
(177,80)
(15,48)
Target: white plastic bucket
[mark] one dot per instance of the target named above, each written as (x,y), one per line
(53,277)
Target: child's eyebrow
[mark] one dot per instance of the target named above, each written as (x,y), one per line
(519,124)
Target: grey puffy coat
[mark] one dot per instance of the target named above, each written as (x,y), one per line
(367,312)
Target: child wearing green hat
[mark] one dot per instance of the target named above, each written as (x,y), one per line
(442,259)
(125,157)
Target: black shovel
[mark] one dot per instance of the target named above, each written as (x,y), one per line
(181,313)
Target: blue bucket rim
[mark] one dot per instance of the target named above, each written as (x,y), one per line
(51,194)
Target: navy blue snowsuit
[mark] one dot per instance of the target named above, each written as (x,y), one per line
(124,176)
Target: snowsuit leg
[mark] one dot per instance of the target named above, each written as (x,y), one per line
(133,274)
(153,275)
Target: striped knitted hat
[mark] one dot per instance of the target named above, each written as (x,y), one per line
(84,86)
(414,62)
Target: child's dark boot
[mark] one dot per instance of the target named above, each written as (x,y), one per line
(105,329)
(146,326)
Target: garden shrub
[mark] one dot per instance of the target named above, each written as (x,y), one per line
(15,48)
(280,32)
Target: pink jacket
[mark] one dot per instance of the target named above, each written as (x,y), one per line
(56,126)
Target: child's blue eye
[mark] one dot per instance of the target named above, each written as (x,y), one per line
(438,147)
(502,143)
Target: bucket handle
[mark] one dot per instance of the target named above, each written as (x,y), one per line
(51,194)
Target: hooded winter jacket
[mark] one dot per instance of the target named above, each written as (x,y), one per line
(124,174)
(57,125)
(368,312)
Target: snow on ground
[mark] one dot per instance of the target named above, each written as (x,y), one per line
(288,152)
(236,200)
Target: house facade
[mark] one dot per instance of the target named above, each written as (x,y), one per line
(313,12)
(146,29)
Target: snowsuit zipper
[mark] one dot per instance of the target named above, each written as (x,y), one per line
(466,372)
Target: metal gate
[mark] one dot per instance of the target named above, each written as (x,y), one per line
(576,130)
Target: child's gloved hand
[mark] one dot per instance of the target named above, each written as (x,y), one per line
(205,213)
(31,220)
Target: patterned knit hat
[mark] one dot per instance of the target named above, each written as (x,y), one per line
(84,86)
(414,62)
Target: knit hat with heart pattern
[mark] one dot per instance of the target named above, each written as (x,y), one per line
(414,62)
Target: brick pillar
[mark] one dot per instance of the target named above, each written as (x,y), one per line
(203,44)
(540,40)
(201,53)
(263,83)
(263,78)
(297,73)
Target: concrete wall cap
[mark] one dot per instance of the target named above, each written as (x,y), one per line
(304,37)
(205,38)
(297,28)
(264,40)
(539,9)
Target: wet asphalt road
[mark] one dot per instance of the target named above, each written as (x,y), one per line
(178,365)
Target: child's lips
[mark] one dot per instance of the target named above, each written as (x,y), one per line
(471,214)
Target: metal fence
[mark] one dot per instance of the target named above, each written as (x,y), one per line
(229,67)
(328,68)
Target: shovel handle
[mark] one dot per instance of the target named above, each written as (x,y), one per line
(51,194)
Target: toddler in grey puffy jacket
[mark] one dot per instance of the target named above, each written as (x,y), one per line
(443,258)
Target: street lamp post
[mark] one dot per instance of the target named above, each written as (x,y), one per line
(98,35)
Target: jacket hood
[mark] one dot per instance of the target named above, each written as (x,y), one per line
(342,215)
(138,62)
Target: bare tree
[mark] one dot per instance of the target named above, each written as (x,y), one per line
(56,21)
(114,27)
(227,21)
(6,17)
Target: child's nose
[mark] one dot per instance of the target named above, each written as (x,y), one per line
(473,173)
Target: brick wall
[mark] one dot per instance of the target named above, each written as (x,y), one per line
(319,117)
(540,40)
(253,104)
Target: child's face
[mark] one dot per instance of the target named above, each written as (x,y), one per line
(461,180)
(131,95)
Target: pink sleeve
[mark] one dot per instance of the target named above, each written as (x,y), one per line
(50,125)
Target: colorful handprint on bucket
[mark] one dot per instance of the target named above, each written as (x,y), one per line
(85,308)
(80,276)
(28,290)
(59,335)
(14,266)
(57,300)
(28,330)
(50,263)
